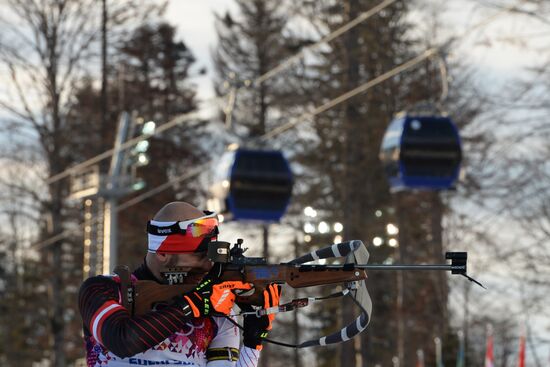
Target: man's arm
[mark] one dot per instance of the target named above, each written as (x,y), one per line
(111,325)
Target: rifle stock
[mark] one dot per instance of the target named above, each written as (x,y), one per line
(146,294)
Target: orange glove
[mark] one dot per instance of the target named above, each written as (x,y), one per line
(272,295)
(210,296)
(223,298)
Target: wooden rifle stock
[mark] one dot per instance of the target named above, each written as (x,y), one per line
(146,295)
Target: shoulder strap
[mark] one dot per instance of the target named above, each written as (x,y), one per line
(123,273)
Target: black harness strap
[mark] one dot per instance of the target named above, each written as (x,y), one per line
(222,354)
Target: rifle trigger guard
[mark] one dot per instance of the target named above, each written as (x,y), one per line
(245,293)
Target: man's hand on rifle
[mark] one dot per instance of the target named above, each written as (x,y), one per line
(256,328)
(211,295)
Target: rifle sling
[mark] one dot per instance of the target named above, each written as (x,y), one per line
(126,290)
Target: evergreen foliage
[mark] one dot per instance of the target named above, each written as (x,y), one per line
(335,157)
(152,82)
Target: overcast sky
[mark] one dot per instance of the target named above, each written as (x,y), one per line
(499,50)
(195,22)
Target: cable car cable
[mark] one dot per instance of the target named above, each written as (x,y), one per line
(365,86)
(193,115)
(328,105)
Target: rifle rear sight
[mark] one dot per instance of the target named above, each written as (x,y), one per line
(222,252)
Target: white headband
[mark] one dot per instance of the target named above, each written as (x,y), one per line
(155,241)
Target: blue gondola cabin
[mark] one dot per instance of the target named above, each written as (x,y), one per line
(421,153)
(253,184)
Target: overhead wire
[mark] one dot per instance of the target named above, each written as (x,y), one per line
(352,93)
(304,117)
(360,89)
(195,115)
(337,33)
(108,153)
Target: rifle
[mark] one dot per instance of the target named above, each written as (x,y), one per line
(142,296)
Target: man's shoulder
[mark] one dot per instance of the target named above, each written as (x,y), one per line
(99,281)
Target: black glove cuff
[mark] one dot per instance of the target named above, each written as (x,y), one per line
(182,302)
(254,330)
(253,340)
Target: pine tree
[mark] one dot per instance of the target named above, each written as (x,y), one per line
(251,43)
(152,83)
(156,83)
(352,186)
(62,37)
(46,74)
(348,182)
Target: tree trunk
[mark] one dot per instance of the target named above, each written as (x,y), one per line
(423,295)
(56,282)
(352,206)
(103,99)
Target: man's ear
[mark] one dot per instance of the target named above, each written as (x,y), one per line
(162,259)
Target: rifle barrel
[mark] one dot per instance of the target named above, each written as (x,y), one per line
(444,267)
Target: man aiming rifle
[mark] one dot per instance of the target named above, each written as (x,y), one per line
(192,329)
